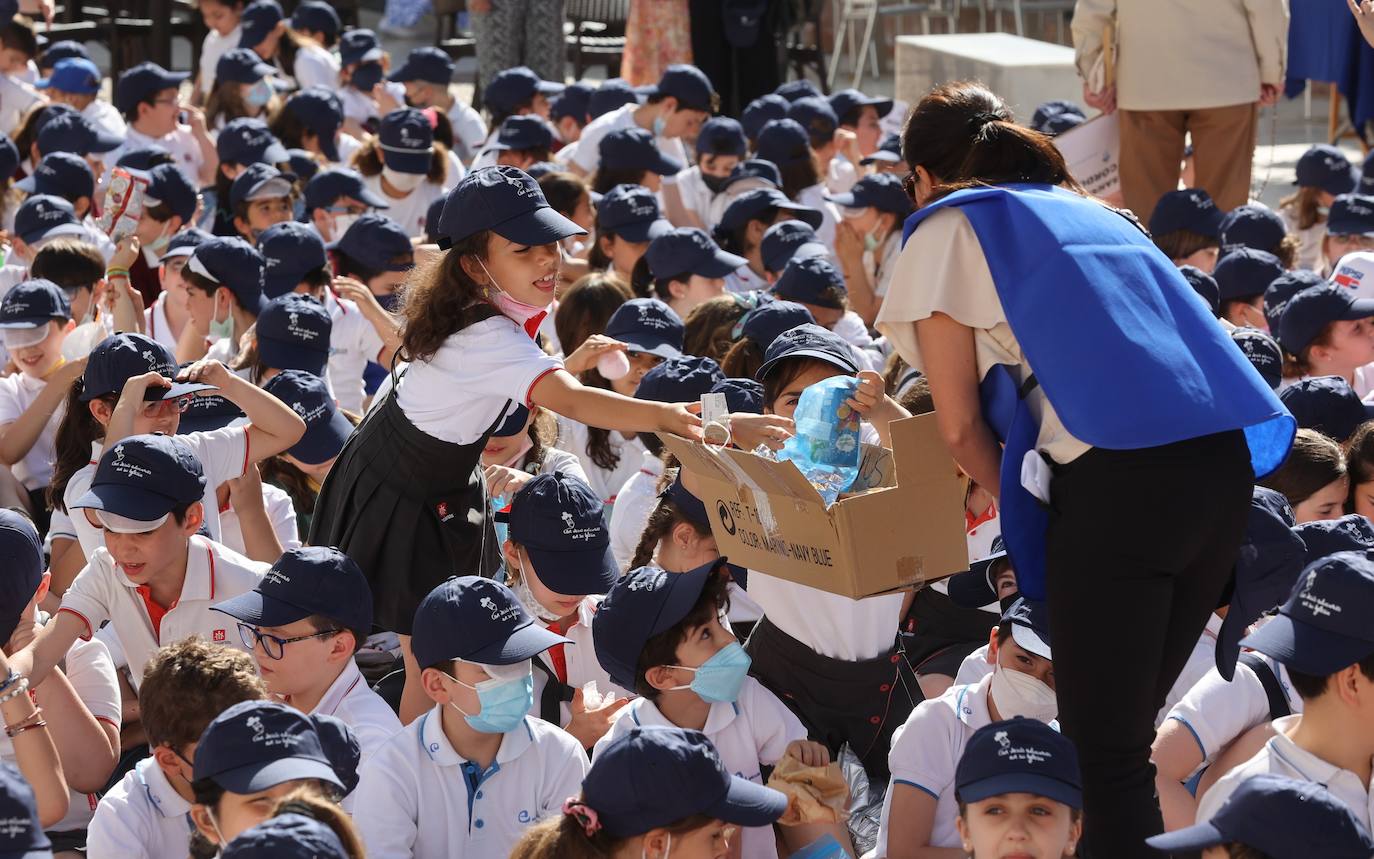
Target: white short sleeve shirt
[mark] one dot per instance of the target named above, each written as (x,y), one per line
(605,482)
(17,393)
(280,512)
(588,155)
(1216,712)
(142,817)
(317,66)
(633,505)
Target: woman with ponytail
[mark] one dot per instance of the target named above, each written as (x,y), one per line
(1141,490)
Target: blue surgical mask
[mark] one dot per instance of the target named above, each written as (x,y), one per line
(660,126)
(504,702)
(719,678)
(259,95)
(871,240)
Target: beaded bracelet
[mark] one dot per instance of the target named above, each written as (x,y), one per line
(10,680)
(23,684)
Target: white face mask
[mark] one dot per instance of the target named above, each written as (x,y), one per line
(1019,694)
(403,182)
(342,223)
(531,604)
(221,329)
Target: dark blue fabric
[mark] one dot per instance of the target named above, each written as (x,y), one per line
(1321,42)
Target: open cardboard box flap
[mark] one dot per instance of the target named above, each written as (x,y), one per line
(766,516)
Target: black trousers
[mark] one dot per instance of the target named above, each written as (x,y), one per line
(1141,545)
(740,75)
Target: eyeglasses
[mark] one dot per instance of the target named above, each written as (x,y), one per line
(168,100)
(275,647)
(156,407)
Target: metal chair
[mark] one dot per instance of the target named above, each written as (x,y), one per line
(596,34)
(852,16)
(457,43)
(804,50)
(1018,10)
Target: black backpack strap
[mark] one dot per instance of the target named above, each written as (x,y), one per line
(556,692)
(1278,702)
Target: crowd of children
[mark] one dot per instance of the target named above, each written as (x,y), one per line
(340,522)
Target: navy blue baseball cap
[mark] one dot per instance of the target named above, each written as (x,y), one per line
(575,101)
(1313,309)
(317,17)
(142,82)
(847,103)
(688,250)
(647,325)
(815,115)
(787,239)
(359,46)
(1270,558)
(1054,107)
(247,140)
(341,746)
(1276,816)
(1243,273)
(255,745)
(1055,123)
(689,85)
(59,51)
(1325,166)
(889,151)
(1191,209)
(510,88)
(72,132)
(561,524)
(302,163)
(1263,353)
(260,182)
(22,836)
(426,63)
(75,75)
(407,140)
(1350,533)
(760,112)
(322,113)
(1204,285)
(1366,185)
(1327,404)
(977,586)
(326,428)
(755,168)
(476,620)
(522,132)
(614,93)
(721,135)
(9,156)
(506,201)
(1030,625)
(882,191)
(142,478)
(377,242)
(783,142)
(244,66)
(1351,215)
(742,396)
(335,183)
(293,334)
(366,76)
(290,250)
(770,319)
(43,216)
(754,203)
(119,357)
(144,158)
(1019,755)
(209,412)
(631,212)
(793,90)
(233,264)
(287,836)
(34,303)
(257,22)
(640,605)
(60,174)
(808,341)
(306,581)
(21,554)
(635,149)
(811,280)
(679,380)
(433,215)
(1253,225)
(167,185)
(626,784)
(1282,290)
(184,243)
(1323,626)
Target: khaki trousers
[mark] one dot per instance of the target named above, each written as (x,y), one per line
(1152,151)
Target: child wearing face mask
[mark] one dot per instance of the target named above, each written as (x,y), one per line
(920,810)
(661,634)
(472,772)
(185,686)
(868,239)
(243,87)
(720,146)
(407,167)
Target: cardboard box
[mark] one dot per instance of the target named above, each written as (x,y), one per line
(767,517)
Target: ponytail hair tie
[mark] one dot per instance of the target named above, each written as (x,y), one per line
(979,121)
(584,814)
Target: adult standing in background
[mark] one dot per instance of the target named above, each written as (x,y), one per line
(1184,67)
(514,33)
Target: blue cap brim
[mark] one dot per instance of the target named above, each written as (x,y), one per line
(322,442)
(370,197)
(1305,648)
(720,264)
(971,589)
(28,184)
(643,231)
(1022,782)
(526,642)
(880,155)
(1196,837)
(748,804)
(181,389)
(130,502)
(258,609)
(665,166)
(287,356)
(550,87)
(845,363)
(105,142)
(651,346)
(255,777)
(847,200)
(543,226)
(807,215)
(410,162)
(574,574)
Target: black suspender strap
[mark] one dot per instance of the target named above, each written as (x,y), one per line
(1278,702)
(556,692)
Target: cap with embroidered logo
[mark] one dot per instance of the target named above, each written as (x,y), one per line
(1351,215)
(1030,626)
(1314,308)
(326,428)
(377,242)
(760,112)
(506,201)
(1253,225)
(631,212)
(257,21)
(510,88)
(22,836)
(293,334)
(1019,755)
(1324,625)
(1204,285)
(328,186)
(359,46)
(120,357)
(1190,209)
(689,251)
(290,250)
(808,341)
(522,132)
(233,264)
(142,82)
(406,139)
(1327,404)
(812,280)
(247,140)
(143,478)
(1325,166)
(43,216)
(256,745)
(310,580)
(318,17)
(72,132)
(786,239)
(647,325)
(33,304)
(679,380)
(1263,353)
(561,524)
(476,620)
(1290,283)
(756,202)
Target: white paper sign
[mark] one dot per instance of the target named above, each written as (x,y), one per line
(1093,153)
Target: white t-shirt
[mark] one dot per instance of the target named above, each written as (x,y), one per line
(573,437)
(348,146)
(214,573)
(214,47)
(830,215)
(360,107)
(696,197)
(469,131)
(223,455)
(409,211)
(831,625)
(419,803)
(744,279)
(353,341)
(588,155)
(16,97)
(317,66)
(181,143)
(280,512)
(142,816)
(106,117)
(1309,254)
(1216,712)
(751,732)
(17,393)
(480,373)
(633,505)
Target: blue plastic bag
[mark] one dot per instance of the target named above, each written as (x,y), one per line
(824,848)
(825,447)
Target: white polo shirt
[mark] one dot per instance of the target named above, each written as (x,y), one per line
(316,65)
(588,155)
(1200,661)
(17,393)
(352,701)
(469,131)
(155,317)
(752,732)
(281,512)
(829,624)
(353,341)
(605,482)
(16,97)
(633,505)
(814,197)
(223,455)
(1216,712)
(180,142)
(696,197)
(1281,756)
(410,210)
(214,573)
(142,817)
(419,798)
(580,662)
